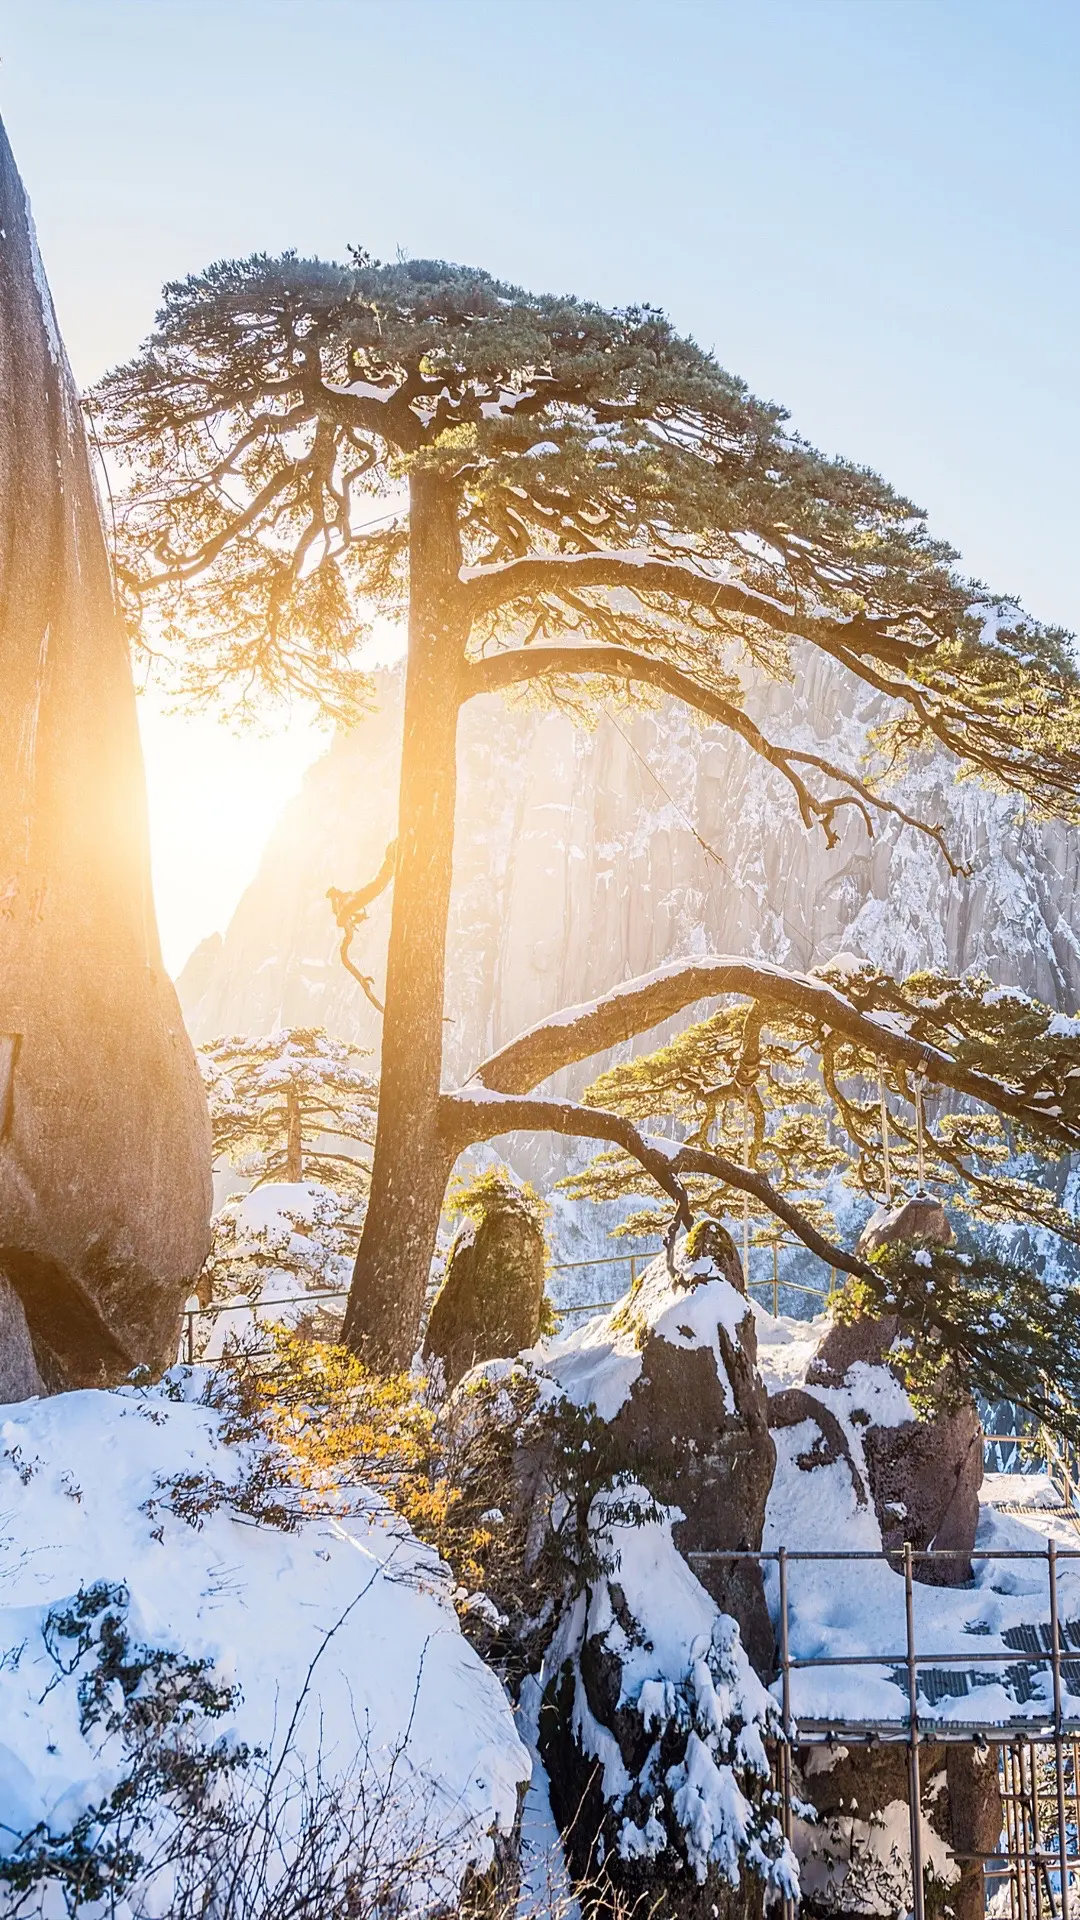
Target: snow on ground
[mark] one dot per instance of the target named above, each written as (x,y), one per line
(546,1888)
(339,1637)
(856,1608)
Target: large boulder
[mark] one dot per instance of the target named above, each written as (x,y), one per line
(491,1301)
(695,1429)
(924,1475)
(653,1444)
(104,1138)
(857,1468)
(854,1852)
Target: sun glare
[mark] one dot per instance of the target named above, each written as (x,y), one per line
(214,798)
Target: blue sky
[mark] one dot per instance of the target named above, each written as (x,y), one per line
(869,208)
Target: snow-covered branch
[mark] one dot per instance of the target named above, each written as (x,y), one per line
(473,1115)
(638,1005)
(627,664)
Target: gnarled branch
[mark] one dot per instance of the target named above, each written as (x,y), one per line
(637,1005)
(467,1117)
(500,583)
(520,664)
(350,910)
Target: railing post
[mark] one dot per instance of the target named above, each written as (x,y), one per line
(918,1896)
(189,1337)
(1059,1757)
(785,1711)
(775,1280)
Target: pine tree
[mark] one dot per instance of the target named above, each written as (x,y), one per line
(290,1107)
(295,1114)
(560,497)
(769,1087)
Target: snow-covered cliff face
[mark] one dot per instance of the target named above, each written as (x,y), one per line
(578,866)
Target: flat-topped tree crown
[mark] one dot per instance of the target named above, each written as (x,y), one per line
(589,452)
(558,495)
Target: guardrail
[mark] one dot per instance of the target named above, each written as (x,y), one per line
(632,1263)
(1023,1852)
(772,1287)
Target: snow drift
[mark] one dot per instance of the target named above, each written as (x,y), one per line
(314,1675)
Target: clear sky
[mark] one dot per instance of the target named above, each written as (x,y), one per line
(869,208)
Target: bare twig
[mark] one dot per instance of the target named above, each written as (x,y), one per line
(350,910)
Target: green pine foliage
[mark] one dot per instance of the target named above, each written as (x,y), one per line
(776,1088)
(267,427)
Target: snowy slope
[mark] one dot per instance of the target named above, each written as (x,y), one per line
(338,1642)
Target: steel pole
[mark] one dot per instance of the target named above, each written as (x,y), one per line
(1059,1756)
(918,1892)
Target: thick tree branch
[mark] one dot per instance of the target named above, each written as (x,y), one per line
(186,566)
(519,664)
(502,583)
(466,1118)
(637,1005)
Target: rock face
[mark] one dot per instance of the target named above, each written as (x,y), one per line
(859,1860)
(696,1433)
(104,1139)
(653,1714)
(577,866)
(924,1475)
(856,1470)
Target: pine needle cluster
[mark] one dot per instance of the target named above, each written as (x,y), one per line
(266,430)
(781,1090)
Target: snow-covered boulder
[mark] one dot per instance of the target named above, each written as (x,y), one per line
(857,1468)
(646,1438)
(199,1683)
(671,1370)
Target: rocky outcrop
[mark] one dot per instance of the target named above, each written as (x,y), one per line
(695,1431)
(490,1304)
(924,1475)
(854,1854)
(856,1469)
(651,1443)
(104,1139)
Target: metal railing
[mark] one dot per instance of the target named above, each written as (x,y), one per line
(773,1287)
(1054,1731)
(633,1263)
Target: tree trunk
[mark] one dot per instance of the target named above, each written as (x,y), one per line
(294,1147)
(412,1161)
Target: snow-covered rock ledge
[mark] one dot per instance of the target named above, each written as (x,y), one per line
(296,1702)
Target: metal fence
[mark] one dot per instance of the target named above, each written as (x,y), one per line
(631,1265)
(1038,1857)
(771,1287)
